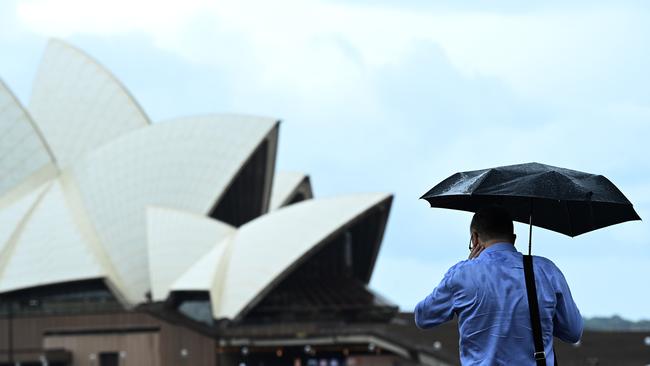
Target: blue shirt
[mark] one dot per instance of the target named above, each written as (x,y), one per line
(488,294)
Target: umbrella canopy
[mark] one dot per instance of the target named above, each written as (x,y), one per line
(562,200)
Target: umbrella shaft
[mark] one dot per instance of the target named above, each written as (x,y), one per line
(530,235)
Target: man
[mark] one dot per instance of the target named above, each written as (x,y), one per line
(488,294)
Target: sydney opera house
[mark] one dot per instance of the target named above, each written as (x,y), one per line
(127,242)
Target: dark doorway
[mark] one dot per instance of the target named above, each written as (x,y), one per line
(109,359)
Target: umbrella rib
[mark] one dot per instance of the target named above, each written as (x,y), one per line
(481,180)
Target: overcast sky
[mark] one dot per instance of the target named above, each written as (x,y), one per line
(382,96)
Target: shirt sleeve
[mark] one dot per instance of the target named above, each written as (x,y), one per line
(567,322)
(438,307)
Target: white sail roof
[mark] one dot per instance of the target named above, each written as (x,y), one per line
(266,248)
(25,158)
(48,247)
(184,164)
(206,274)
(176,240)
(243,267)
(79,105)
(13,217)
(286,185)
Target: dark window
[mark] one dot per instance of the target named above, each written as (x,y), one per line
(298,197)
(244,198)
(196,306)
(89,296)
(109,359)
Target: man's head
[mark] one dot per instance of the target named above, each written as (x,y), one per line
(492,224)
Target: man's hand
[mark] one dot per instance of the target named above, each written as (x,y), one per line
(476,251)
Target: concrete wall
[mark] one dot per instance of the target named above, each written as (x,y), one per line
(163,343)
(136,349)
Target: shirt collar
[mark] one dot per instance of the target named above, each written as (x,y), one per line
(496,247)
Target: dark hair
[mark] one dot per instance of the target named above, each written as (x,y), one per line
(492,222)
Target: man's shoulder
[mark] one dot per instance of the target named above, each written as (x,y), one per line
(543,261)
(547,266)
(461,266)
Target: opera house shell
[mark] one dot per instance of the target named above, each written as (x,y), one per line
(116,230)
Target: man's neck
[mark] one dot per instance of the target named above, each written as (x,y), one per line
(495,241)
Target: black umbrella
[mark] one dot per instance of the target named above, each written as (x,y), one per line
(562,200)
